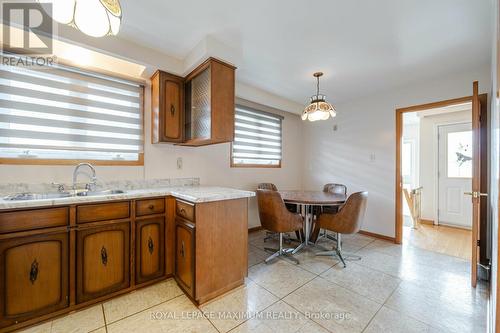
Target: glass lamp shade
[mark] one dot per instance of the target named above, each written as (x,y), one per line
(96,18)
(318,109)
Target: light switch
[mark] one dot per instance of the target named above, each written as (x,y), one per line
(179,163)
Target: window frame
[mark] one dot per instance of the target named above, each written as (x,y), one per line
(55,161)
(257,166)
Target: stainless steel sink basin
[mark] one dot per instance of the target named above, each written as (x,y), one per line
(103,192)
(56,195)
(37,196)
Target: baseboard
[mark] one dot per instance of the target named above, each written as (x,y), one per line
(424,221)
(253,229)
(379,236)
(452,226)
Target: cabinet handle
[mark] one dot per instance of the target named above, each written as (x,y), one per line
(151,207)
(183,212)
(151,246)
(182,249)
(172,110)
(104,256)
(34,271)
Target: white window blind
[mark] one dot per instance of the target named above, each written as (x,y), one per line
(257,138)
(64,113)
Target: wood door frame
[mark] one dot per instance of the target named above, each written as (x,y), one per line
(398,239)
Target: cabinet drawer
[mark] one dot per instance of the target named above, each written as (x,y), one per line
(103,212)
(33,219)
(184,210)
(151,206)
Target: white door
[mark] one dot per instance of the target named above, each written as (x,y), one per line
(455,175)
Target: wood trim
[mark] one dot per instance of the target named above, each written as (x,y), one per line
(435,105)
(424,221)
(399,135)
(255,166)
(29,161)
(254,229)
(379,236)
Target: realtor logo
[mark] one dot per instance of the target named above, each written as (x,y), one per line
(27,28)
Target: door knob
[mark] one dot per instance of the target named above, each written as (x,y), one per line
(476,194)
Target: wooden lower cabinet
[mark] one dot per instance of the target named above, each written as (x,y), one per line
(84,254)
(149,249)
(34,279)
(102,260)
(185,255)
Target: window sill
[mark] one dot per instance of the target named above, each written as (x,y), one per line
(28,161)
(256,166)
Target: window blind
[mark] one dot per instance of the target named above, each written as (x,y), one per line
(257,138)
(60,112)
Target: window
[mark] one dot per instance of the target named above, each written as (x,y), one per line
(257,138)
(63,114)
(460,154)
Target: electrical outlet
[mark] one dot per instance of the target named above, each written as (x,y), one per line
(372,157)
(179,163)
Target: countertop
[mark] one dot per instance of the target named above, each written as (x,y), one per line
(194,194)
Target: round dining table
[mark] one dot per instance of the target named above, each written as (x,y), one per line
(306,200)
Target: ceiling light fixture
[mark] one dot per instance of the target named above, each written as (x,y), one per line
(318,108)
(96,18)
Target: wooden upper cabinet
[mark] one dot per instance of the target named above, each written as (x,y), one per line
(210,103)
(34,278)
(103,260)
(167,103)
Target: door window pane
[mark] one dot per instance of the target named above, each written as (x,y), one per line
(460,154)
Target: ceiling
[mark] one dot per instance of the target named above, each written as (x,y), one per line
(363,46)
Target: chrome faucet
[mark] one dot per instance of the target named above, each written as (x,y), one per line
(93,179)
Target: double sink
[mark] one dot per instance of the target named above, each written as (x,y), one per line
(56,195)
(62,193)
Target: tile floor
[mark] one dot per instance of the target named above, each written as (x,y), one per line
(392,289)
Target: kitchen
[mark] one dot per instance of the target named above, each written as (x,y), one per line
(145,150)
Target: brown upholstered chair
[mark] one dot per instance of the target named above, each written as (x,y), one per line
(330,188)
(347,221)
(335,188)
(276,218)
(267,186)
(290,207)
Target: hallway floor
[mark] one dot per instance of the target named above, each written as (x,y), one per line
(442,239)
(392,289)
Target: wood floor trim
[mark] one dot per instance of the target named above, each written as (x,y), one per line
(379,236)
(254,229)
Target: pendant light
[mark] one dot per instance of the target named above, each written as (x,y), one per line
(96,18)
(318,108)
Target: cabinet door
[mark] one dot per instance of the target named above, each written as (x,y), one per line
(150,249)
(34,279)
(172,110)
(103,260)
(167,108)
(185,255)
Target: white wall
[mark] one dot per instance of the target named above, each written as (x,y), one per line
(428,157)
(361,153)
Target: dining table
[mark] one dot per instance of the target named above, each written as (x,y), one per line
(306,200)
